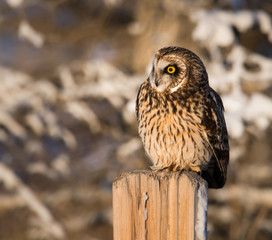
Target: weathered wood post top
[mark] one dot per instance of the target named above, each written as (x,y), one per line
(150,205)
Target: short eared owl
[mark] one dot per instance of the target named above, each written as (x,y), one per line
(181,119)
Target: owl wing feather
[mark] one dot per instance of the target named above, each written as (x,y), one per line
(217,136)
(137,100)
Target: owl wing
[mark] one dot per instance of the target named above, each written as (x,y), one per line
(137,101)
(142,91)
(215,129)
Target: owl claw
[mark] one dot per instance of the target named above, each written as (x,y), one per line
(182,170)
(195,169)
(166,169)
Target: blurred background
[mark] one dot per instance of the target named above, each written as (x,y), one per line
(69,74)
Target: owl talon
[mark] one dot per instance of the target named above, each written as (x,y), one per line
(182,171)
(195,169)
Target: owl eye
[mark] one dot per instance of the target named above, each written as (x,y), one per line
(171,69)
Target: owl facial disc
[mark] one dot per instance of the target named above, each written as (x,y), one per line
(158,78)
(167,73)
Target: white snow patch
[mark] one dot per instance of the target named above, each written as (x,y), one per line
(259,110)
(264,22)
(28,33)
(235,125)
(213,28)
(234,105)
(14,3)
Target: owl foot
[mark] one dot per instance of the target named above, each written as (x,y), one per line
(195,169)
(182,171)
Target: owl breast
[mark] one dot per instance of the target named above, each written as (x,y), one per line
(171,133)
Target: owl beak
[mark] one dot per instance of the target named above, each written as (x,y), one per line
(157,80)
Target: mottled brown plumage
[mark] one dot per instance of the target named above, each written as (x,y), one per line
(180,117)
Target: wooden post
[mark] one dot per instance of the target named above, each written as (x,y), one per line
(150,205)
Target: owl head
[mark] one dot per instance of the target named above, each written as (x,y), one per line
(175,68)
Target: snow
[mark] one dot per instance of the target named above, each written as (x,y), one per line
(214,29)
(259,111)
(28,33)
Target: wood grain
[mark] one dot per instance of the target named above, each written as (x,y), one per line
(150,205)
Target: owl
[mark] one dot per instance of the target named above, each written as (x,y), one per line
(181,118)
